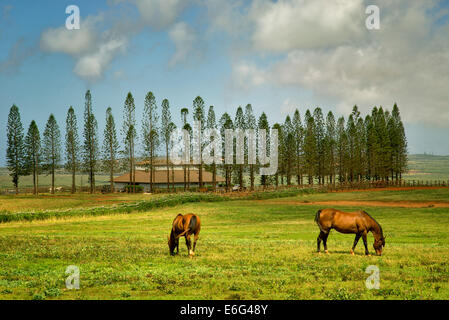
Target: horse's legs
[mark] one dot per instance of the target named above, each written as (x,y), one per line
(365,242)
(195,239)
(356,240)
(325,242)
(177,246)
(318,242)
(322,236)
(189,244)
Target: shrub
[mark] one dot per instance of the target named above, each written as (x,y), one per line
(139,189)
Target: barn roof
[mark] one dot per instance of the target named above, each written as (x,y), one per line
(161,177)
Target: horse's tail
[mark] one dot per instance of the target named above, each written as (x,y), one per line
(317,219)
(317,216)
(193,223)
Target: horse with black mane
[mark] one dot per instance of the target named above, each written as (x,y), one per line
(358,223)
(184,226)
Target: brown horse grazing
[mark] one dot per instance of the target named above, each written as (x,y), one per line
(359,223)
(184,226)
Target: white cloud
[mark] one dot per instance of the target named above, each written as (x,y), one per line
(246,75)
(159,13)
(407,62)
(92,50)
(228,15)
(302,24)
(92,66)
(72,42)
(184,39)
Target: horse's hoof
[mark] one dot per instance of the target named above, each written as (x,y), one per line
(326,252)
(352,253)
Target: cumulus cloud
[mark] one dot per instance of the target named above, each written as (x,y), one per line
(92,66)
(159,13)
(92,50)
(72,42)
(407,61)
(294,24)
(184,39)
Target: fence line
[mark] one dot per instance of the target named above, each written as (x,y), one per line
(328,187)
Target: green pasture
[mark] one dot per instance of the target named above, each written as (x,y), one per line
(250,249)
(424,167)
(62,179)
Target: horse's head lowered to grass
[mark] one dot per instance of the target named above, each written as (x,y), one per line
(379,244)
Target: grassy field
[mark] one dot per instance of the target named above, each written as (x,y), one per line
(259,249)
(428,167)
(62,179)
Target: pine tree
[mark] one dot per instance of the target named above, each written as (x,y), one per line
(239,123)
(361,148)
(371,148)
(184,114)
(289,146)
(226,124)
(330,148)
(33,154)
(358,143)
(320,146)
(15,150)
(212,125)
(383,139)
(264,125)
(90,149)
(281,152)
(310,147)
(198,115)
(342,150)
(130,137)
(172,127)
(52,149)
(399,144)
(299,141)
(351,136)
(188,128)
(72,145)
(250,124)
(110,148)
(165,134)
(150,133)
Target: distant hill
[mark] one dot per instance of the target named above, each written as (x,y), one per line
(428,167)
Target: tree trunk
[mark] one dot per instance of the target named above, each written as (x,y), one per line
(251,170)
(168,168)
(185,177)
(200,175)
(73,180)
(34,180)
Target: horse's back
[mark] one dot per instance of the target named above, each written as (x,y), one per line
(345,222)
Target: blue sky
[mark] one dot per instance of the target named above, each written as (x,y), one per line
(278,56)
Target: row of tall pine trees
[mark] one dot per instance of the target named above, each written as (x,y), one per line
(312,149)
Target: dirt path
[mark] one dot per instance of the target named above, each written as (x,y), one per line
(361,203)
